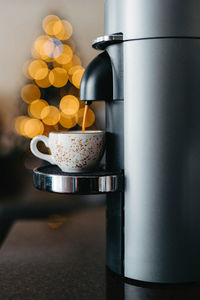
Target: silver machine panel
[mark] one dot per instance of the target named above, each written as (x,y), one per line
(162,160)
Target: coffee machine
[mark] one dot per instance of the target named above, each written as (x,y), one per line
(148,75)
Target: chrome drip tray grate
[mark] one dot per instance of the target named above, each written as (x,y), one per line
(52,179)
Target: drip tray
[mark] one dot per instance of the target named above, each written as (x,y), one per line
(52,179)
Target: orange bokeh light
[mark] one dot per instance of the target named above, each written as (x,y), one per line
(58,77)
(76,77)
(62,30)
(30,92)
(66,55)
(38,69)
(48,24)
(68,121)
(90,117)
(69,105)
(36,107)
(50,115)
(33,127)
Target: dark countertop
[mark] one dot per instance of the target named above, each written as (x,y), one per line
(38,262)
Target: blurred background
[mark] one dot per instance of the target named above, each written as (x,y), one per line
(45,48)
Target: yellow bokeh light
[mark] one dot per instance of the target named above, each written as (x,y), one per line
(64,66)
(30,92)
(19,124)
(66,55)
(72,70)
(68,121)
(49,22)
(69,105)
(44,83)
(50,115)
(38,50)
(36,107)
(58,77)
(89,120)
(38,69)
(33,127)
(62,30)
(76,77)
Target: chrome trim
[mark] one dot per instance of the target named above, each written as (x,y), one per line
(78,183)
(100,43)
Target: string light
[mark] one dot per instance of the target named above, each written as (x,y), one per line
(30,92)
(50,115)
(69,105)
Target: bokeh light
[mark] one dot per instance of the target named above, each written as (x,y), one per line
(38,50)
(66,55)
(89,120)
(49,23)
(44,83)
(72,70)
(62,30)
(53,48)
(36,107)
(30,92)
(55,61)
(69,105)
(76,77)
(64,66)
(50,115)
(19,124)
(38,69)
(33,127)
(58,77)
(68,121)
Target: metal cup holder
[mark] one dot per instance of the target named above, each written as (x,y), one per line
(52,179)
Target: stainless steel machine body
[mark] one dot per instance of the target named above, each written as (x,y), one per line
(153,125)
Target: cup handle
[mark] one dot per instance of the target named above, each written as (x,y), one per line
(36,152)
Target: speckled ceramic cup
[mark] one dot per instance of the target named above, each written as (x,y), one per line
(72,151)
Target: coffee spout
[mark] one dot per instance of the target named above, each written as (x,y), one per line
(97,81)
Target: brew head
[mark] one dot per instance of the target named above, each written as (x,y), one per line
(97,81)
